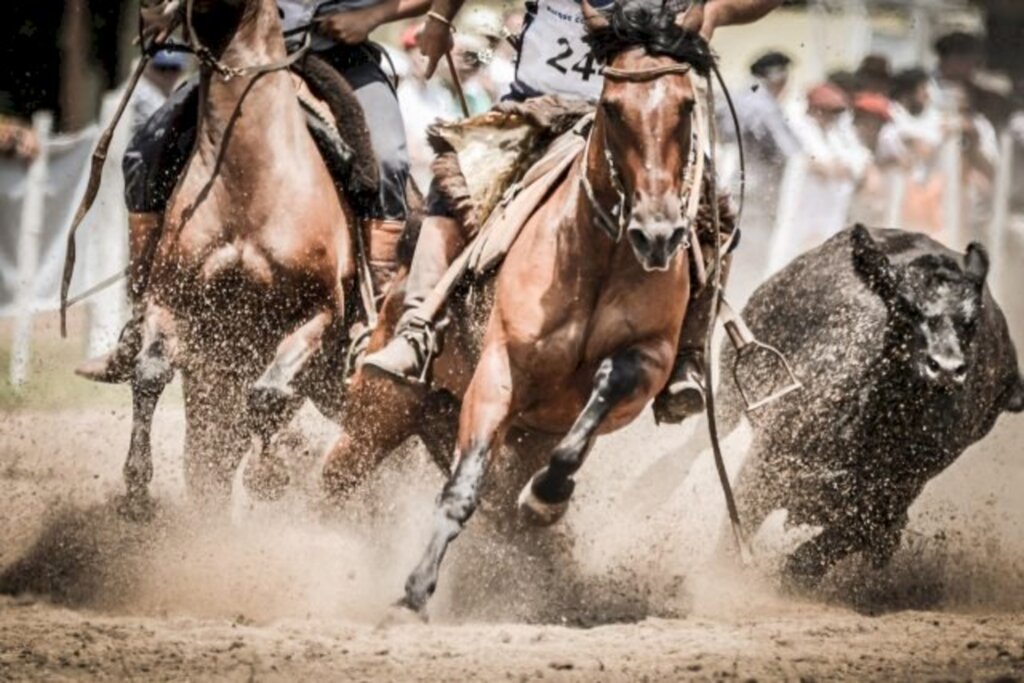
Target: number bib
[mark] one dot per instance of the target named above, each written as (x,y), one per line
(553,59)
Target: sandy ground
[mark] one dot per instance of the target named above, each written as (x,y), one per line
(278,591)
(629,587)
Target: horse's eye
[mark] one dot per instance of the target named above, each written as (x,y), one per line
(688,106)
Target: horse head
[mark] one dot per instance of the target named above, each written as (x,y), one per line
(216,22)
(935,306)
(644,120)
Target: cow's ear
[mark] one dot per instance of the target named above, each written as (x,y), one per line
(873,265)
(1015,401)
(976,262)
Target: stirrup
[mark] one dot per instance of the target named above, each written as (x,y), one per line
(359,339)
(749,348)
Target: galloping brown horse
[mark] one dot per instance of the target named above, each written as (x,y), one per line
(584,324)
(255,246)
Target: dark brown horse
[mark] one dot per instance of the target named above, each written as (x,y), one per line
(246,283)
(585,321)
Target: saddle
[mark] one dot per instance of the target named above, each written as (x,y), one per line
(495,169)
(338,125)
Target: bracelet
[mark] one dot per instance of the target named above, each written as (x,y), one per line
(437,16)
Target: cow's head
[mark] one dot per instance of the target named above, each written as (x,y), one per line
(935,306)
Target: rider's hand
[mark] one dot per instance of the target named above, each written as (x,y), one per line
(435,42)
(698,19)
(351,27)
(158,19)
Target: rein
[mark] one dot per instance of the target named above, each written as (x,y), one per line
(228,72)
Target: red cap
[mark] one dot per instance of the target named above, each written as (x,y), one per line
(827,97)
(873,103)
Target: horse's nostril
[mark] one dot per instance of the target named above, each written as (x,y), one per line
(961,371)
(640,241)
(933,365)
(678,235)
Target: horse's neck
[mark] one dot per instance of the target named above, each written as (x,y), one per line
(258,111)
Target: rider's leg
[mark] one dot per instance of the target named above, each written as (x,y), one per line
(440,241)
(683,395)
(152,163)
(383,217)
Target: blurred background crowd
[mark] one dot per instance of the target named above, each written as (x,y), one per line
(895,113)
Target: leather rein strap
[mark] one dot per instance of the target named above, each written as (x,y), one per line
(228,72)
(643,75)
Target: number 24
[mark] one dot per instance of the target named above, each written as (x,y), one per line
(584,66)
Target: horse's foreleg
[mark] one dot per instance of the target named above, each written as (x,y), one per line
(274,391)
(484,415)
(273,401)
(153,371)
(545,498)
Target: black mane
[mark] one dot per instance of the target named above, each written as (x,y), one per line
(650,25)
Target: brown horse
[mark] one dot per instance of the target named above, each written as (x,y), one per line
(254,250)
(584,325)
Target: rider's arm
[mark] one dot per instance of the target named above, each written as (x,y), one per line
(718,13)
(354,26)
(436,38)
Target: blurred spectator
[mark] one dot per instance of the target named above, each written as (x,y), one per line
(881,149)
(844,80)
(768,140)
(422,102)
(874,75)
(471,54)
(498,70)
(162,74)
(960,56)
(834,165)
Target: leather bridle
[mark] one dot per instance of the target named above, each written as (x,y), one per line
(228,72)
(614,221)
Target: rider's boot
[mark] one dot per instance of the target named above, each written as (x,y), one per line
(382,236)
(405,357)
(684,394)
(117,365)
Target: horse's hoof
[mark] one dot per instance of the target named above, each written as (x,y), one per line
(401,614)
(537,512)
(136,507)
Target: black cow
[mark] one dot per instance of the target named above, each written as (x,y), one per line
(906,361)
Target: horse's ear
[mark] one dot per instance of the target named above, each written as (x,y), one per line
(1015,399)
(593,18)
(976,262)
(872,264)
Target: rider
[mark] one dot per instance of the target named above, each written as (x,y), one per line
(553,59)
(159,149)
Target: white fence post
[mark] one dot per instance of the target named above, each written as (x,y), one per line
(997,231)
(789,233)
(105,239)
(897,196)
(29,231)
(954,230)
